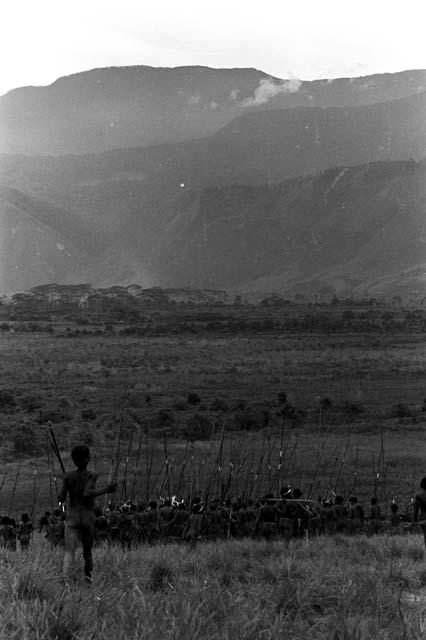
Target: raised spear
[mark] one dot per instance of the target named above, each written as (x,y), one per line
(166,458)
(123,495)
(136,466)
(14,488)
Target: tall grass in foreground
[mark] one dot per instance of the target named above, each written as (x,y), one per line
(327,588)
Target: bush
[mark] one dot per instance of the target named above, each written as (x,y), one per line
(24,442)
(326,404)
(88,414)
(401,410)
(30,402)
(180,405)
(352,408)
(193,398)
(85,435)
(219,404)
(198,427)
(7,401)
(165,418)
(250,419)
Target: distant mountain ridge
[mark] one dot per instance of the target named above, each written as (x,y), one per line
(121,107)
(280,197)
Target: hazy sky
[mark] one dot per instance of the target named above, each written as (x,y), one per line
(44,39)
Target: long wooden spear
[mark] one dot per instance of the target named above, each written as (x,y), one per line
(355,472)
(55,448)
(166,458)
(280,461)
(126,464)
(136,466)
(14,488)
(3,481)
(342,464)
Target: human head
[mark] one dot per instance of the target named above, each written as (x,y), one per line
(423,484)
(80,456)
(373,501)
(25,517)
(394,507)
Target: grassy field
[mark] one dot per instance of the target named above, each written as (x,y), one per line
(327,588)
(89,385)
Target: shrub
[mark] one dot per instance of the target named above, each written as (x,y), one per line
(352,408)
(219,404)
(401,410)
(85,435)
(7,401)
(24,442)
(180,405)
(193,398)
(198,427)
(165,418)
(326,404)
(250,419)
(88,414)
(30,402)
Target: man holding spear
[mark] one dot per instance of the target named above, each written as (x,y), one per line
(80,486)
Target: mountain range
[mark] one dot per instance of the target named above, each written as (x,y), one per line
(209,178)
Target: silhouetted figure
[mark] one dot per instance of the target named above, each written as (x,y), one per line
(80,487)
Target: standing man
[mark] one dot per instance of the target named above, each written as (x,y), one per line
(80,486)
(420,508)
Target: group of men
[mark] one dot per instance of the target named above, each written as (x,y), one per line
(286,516)
(171,520)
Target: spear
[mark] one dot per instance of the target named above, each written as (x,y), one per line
(355,471)
(259,467)
(136,466)
(55,448)
(216,470)
(115,460)
(14,488)
(382,453)
(129,451)
(166,457)
(50,475)
(182,470)
(148,477)
(3,481)
(34,492)
(280,460)
(374,476)
(342,464)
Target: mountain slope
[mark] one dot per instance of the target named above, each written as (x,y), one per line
(33,249)
(122,107)
(345,227)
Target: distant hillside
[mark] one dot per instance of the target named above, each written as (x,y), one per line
(352,230)
(38,242)
(123,107)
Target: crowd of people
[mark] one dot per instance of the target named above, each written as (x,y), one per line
(172,520)
(288,515)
